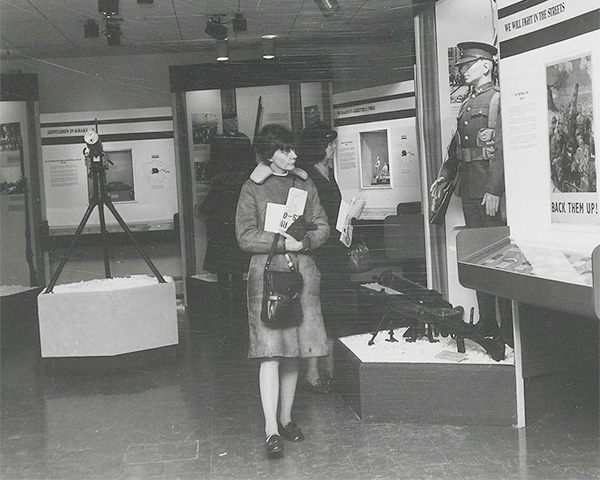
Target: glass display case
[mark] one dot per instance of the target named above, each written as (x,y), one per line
(530,259)
(491,260)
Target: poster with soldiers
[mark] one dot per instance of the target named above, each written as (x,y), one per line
(11,168)
(571,141)
(204,127)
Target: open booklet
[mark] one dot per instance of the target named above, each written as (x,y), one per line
(347,212)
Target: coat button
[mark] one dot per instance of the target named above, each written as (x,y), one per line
(466,137)
(479,112)
(466,123)
(468,109)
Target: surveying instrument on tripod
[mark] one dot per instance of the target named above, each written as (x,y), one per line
(98,163)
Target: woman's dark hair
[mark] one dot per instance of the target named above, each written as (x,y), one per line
(272,137)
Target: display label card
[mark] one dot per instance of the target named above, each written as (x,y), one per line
(452,356)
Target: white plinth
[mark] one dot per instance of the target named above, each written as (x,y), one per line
(108,317)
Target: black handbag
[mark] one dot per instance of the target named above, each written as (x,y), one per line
(281,294)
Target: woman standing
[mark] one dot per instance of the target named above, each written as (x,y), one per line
(280,349)
(316,154)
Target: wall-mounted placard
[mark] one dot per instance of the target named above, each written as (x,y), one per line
(140,178)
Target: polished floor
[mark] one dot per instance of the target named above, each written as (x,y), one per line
(196,415)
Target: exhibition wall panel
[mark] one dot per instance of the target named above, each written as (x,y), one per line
(549,121)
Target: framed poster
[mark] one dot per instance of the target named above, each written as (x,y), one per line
(571,140)
(204,127)
(374,159)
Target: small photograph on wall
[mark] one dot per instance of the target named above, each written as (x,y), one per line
(374,159)
(312,116)
(10,137)
(119,177)
(204,127)
(11,180)
(572,152)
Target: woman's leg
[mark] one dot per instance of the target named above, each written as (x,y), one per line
(268,380)
(288,375)
(328,360)
(312,369)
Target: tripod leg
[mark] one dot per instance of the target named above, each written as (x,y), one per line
(104,239)
(61,265)
(125,228)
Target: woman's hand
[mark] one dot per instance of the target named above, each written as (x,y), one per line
(291,244)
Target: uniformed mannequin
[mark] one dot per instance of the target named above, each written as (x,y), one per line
(476,149)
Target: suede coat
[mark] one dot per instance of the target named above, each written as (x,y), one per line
(308,339)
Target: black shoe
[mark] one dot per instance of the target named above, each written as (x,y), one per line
(274,446)
(291,432)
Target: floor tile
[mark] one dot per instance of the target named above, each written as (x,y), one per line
(199,417)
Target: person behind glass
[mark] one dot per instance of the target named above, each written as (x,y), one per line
(316,156)
(279,350)
(476,149)
(231,162)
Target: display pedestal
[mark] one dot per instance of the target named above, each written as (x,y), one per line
(19,317)
(107,317)
(438,393)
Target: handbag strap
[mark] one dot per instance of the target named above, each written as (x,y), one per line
(288,259)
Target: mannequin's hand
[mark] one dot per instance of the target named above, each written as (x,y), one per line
(291,244)
(436,187)
(492,203)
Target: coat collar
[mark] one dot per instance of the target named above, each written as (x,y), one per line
(482,88)
(262,172)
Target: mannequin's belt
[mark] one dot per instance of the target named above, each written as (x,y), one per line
(471,154)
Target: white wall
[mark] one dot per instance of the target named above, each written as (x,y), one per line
(404,167)
(65,174)
(402,144)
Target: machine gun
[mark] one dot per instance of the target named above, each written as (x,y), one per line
(426,313)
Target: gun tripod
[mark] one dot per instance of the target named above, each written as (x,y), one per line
(100,199)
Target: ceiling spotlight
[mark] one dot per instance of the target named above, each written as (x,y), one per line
(113,33)
(216,29)
(222,51)
(268,45)
(91,29)
(328,7)
(108,8)
(239,23)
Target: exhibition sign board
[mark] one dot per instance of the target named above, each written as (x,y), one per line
(549,77)
(377,158)
(141,181)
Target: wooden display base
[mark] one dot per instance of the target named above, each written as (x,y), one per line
(19,318)
(93,322)
(108,365)
(438,393)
